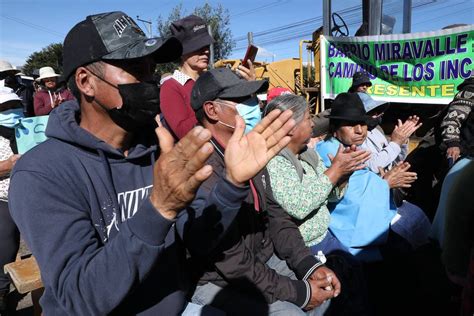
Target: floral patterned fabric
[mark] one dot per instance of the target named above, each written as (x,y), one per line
(304,200)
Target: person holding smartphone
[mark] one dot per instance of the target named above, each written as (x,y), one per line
(176,92)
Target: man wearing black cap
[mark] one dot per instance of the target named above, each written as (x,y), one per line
(101,211)
(244,275)
(175,93)
(360,82)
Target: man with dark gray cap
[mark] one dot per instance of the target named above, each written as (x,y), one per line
(106,191)
(244,275)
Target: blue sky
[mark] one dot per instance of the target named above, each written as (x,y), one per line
(27,26)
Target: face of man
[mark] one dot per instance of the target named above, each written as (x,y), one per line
(351,133)
(121,72)
(198,60)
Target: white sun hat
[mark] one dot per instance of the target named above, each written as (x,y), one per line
(46,72)
(7,94)
(6,66)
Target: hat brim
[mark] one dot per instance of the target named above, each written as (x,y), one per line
(44,77)
(197,42)
(16,71)
(244,88)
(358,83)
(380,107)
(348,118)
(163,51)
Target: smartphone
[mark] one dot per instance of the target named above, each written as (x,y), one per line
(250,54)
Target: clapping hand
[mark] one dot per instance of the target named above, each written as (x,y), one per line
(346,161)
(403,131)
(247,154)
(399,176)
(180,170)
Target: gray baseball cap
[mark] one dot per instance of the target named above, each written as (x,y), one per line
(113,36)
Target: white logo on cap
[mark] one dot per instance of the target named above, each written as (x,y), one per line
(150,42)
(121,24)
(198,27)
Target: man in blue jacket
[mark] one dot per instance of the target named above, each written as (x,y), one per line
(97,202)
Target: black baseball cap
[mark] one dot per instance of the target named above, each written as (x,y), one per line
(348,107)
(113,36)
(192,32)
(223,83)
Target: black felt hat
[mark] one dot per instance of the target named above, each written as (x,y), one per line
(348,107)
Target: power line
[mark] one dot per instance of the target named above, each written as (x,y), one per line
(34,26)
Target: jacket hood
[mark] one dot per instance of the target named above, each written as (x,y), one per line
(63,124)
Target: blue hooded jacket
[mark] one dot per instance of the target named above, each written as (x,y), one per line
(102,248)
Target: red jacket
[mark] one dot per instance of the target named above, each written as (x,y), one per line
(44,98)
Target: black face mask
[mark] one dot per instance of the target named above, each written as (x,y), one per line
(141,103)
(374,122)
(11,81)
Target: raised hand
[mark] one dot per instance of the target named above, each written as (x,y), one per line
(403,131)
(399,176)
(247,73)
(247,154)
(347,161)
(180,169)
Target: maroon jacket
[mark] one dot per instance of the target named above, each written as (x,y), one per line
(175,103)
(44,98)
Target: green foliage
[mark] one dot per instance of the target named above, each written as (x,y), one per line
(51,55)
(217,17)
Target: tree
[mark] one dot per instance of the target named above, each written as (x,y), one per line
(52,56)
(217,17)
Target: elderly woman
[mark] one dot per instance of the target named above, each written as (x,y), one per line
(51,94)
(302,184)
(10,112)
(364,217)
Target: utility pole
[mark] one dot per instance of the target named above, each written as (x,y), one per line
(148,25)
(211,48)
(250,38)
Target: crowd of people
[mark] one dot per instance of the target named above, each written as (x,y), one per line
(191,197)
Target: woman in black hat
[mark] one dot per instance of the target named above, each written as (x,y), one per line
(365,217)
(175,93)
